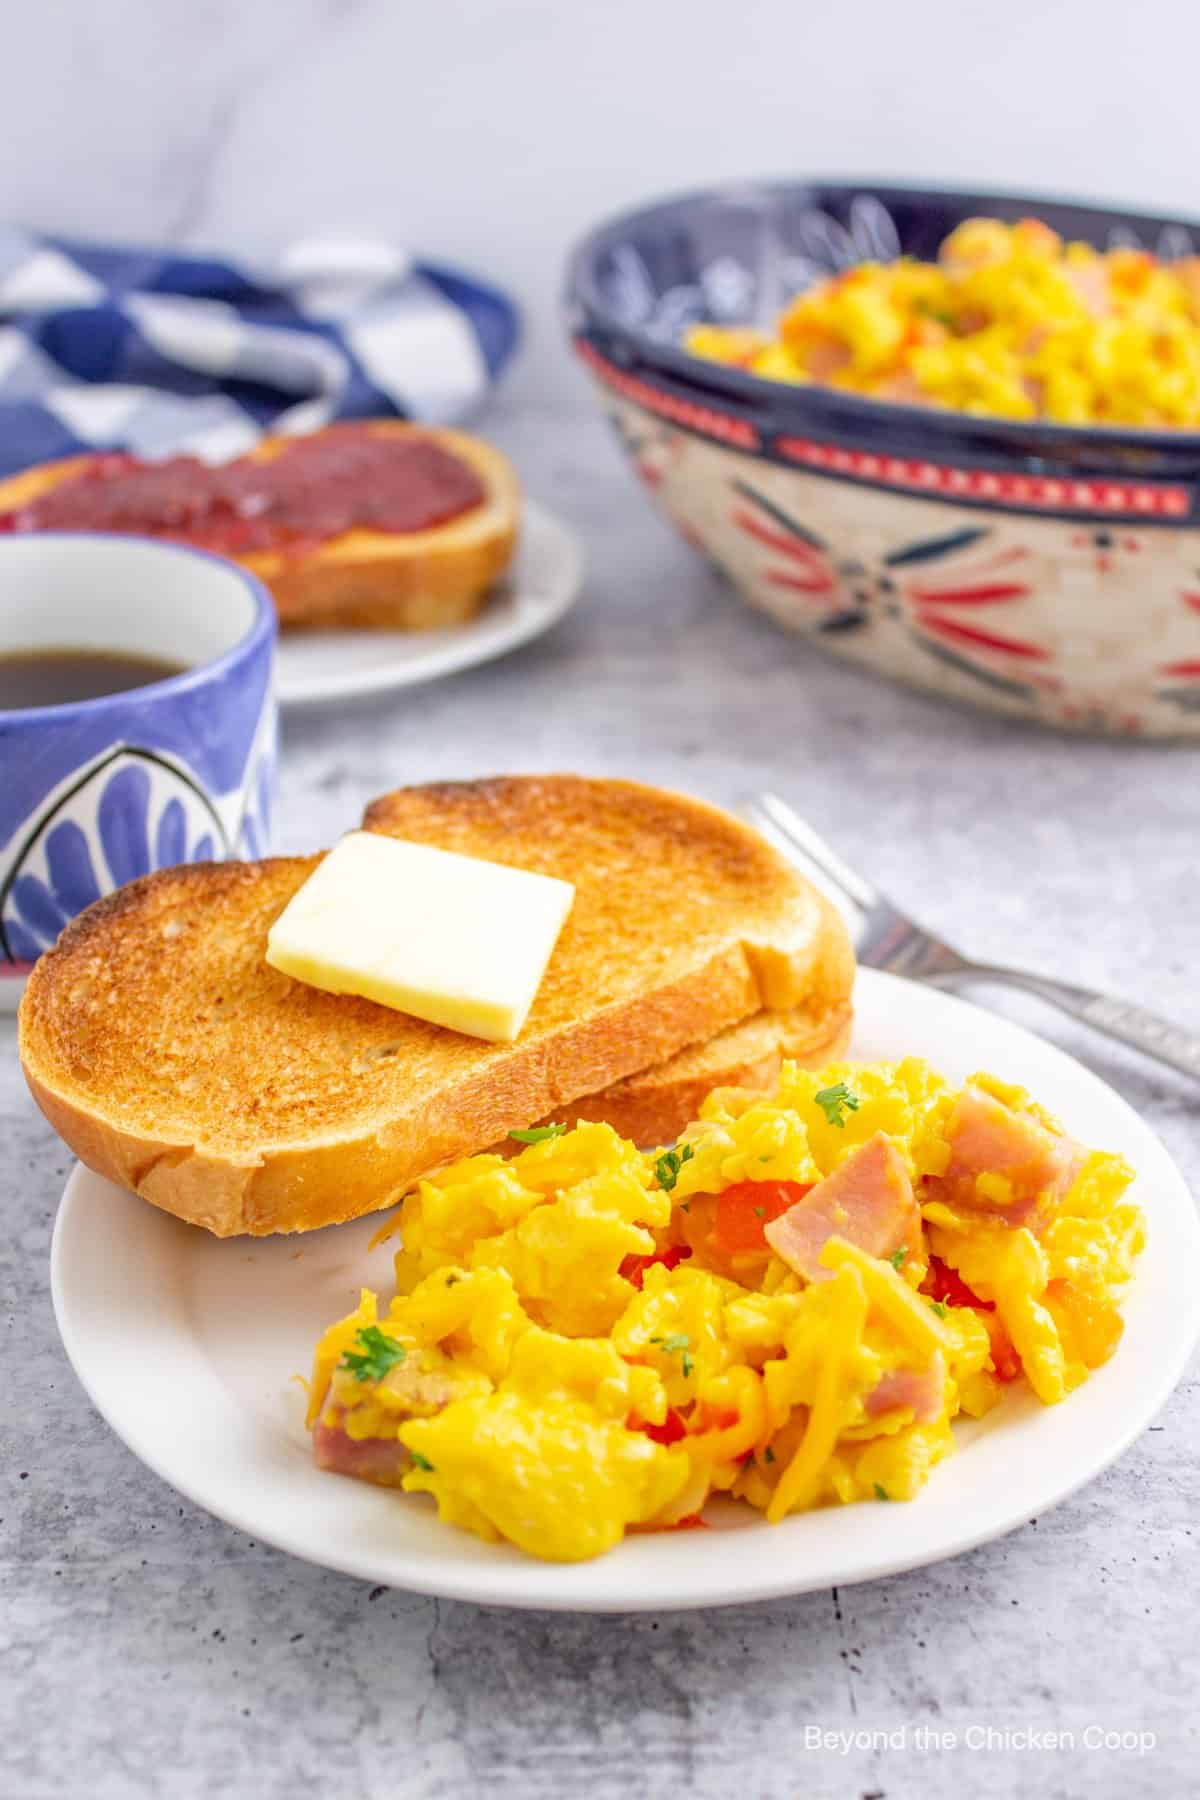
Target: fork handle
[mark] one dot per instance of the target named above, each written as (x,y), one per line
(1119,1019)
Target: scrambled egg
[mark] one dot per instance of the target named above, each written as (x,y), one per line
(1009,321)
(790,1306)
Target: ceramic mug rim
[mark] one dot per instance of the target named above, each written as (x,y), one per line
(260,632)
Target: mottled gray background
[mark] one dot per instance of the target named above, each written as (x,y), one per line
(148,1650)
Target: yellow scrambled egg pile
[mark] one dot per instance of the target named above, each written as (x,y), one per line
(1009,321)
(588,1338)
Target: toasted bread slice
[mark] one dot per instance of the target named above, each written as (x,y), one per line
(174,1060)
(369,580)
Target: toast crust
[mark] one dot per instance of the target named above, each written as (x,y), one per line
(174,1060)
(369,580)
(653,1107)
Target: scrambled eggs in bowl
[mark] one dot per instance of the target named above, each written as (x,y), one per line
(789,1307)
(1010,321)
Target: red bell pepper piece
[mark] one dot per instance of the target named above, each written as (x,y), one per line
(669,1432)
(633,1268)
(947,1285)
(744,1208)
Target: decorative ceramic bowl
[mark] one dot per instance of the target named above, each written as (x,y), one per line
(96,792)
(1047,571)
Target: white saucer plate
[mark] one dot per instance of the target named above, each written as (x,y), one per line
(321,666)
(188,1347)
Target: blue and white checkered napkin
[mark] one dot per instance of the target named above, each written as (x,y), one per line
(104,348)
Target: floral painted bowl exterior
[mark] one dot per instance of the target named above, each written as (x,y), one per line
(1046,571)
(96,793)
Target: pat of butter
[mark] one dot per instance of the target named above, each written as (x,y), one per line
(445,937)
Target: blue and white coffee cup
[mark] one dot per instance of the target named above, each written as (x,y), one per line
(94,793)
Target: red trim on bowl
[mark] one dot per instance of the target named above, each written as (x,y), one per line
(1053,492)
(705,420)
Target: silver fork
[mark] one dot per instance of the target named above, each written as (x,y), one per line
(886,938)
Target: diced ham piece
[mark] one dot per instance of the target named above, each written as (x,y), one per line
(988,1138)
(868,1200)
(1090,281)
(922,1389)
(825,357)
(417,1392)
(1186,269)
(902,387)
(381,1460)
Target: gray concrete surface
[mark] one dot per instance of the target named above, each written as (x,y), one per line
(147,1650)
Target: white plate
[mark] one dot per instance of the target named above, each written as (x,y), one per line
(341,665)
(187,1346)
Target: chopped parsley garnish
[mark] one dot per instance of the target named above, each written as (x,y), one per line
(937,1307)
(835,1102)
(677,1343)
(379,1354)
(881,1493)
(668,1165)
(768,1454)
(760,1212)
(421,1462)
(537,1134)
(897,1257)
